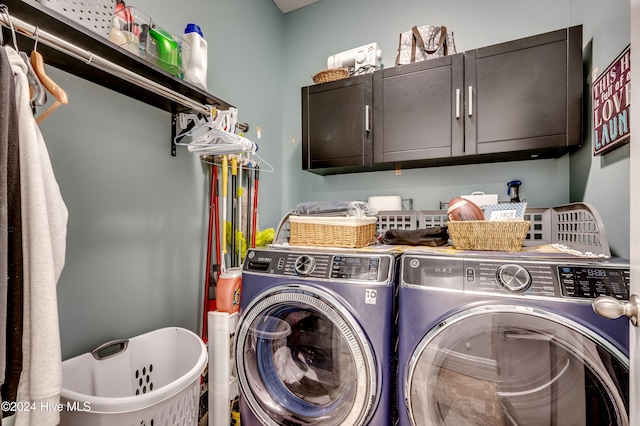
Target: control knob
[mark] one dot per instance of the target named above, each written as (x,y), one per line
(304,265)
(513,278)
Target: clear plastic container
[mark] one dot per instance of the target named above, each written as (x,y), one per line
(125,30)
(166,50)
(136,32)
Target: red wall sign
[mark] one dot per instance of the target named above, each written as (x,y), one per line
(611,93)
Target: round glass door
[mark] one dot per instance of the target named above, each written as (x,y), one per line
(302,359)
(515,366)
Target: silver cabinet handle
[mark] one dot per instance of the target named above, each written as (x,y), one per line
(457,103)
(470,101)
(367,122)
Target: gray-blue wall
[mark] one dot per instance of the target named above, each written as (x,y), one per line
(138,217)
(603,181)
(331,26)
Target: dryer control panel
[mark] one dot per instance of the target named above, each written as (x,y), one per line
(348,266)
(540,278)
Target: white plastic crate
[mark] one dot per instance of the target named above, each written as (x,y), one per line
(401,219)
(577,226)
(428,218)
(149,380)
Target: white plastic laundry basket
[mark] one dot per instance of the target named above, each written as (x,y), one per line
(149,380)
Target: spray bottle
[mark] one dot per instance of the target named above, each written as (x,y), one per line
(514,190)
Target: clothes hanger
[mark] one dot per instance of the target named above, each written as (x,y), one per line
(214,120)
(215,160)
(5,11)
(60,95)
(220,138)
(38,92)
(190,123)
(217,141)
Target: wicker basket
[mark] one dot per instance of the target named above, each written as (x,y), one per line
(323,231)
(330,75)
(488,234)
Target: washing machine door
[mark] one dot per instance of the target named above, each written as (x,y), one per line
(513,365)
(303,359)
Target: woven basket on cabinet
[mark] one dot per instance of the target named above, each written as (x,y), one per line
(330,75)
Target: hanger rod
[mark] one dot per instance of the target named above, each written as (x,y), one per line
(99,62)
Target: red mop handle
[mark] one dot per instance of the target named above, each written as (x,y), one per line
(254,215)
(207,275)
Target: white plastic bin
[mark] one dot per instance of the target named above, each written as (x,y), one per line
(149,380)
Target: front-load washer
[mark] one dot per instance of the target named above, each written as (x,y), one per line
(510,341)
(314,340)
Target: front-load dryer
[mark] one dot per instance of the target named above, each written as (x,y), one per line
(314,340)
(510,341)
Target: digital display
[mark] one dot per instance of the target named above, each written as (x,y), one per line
(355,268)
(593,282)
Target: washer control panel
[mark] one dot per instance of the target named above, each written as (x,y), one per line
(593,281)
(535,279)
(541,278)
(349,266)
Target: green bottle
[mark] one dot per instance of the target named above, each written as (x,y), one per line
(167,51)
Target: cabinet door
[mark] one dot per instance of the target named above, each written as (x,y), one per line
(336,125)
(524,97)
(418,111)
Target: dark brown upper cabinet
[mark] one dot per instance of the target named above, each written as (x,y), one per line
(512,101)
(336,125)
(524,97)
(418,119)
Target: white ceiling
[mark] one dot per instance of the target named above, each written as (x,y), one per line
(289,5)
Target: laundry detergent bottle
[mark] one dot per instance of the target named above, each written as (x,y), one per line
(229,290)
(196,64)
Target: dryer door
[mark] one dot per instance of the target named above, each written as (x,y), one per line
(512,365)
(302,359)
